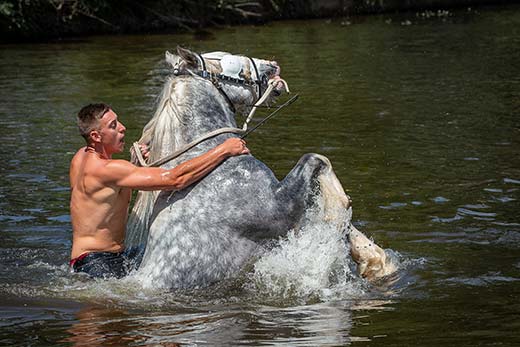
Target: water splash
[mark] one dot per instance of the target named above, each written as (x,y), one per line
(313,262)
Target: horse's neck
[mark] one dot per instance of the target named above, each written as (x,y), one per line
(195,108)
(206,112)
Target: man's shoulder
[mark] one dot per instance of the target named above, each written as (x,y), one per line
(77,159)
(86,163)
(79,153)
(111,171)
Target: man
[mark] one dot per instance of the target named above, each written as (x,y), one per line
(101,189)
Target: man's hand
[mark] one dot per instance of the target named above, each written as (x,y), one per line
(234,146)
(145,150)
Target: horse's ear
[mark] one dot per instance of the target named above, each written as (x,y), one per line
(188,56)
(171,59)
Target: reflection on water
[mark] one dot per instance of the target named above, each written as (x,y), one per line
(419,120)
(321,324)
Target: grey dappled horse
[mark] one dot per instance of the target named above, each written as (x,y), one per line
(208,231)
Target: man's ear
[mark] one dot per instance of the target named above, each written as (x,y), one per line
(188,56)
(95,136)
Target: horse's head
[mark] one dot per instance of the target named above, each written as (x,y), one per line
(204,94)
(242,80)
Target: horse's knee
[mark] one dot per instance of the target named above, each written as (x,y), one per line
(327,182)
(317,161)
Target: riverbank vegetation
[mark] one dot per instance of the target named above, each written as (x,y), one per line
(42,19)
(36,20)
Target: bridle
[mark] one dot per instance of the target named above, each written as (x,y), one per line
(217,81)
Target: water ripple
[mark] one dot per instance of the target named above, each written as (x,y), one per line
(469,212)
(483,280)
(510,180)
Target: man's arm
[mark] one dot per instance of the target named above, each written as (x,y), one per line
(124,174)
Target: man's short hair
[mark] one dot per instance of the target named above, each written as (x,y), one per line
(89,116)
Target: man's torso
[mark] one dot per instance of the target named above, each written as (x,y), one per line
(98,209)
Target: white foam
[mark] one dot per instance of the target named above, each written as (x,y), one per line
(313,261)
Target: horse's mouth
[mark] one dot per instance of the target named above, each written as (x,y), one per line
(280,84)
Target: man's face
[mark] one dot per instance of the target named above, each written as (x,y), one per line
(112,133)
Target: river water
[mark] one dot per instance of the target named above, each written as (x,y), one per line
(419,114)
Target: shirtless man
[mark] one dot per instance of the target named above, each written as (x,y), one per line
(101,189)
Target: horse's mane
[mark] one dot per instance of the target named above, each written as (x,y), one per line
(164,134)
(165,122)
(162,127)
(178,102)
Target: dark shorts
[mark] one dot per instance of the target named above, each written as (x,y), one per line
(108,264)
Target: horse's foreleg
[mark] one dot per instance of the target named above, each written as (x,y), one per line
(313,177)
(315,171)
(335,200)
(296,192)
(371,259)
